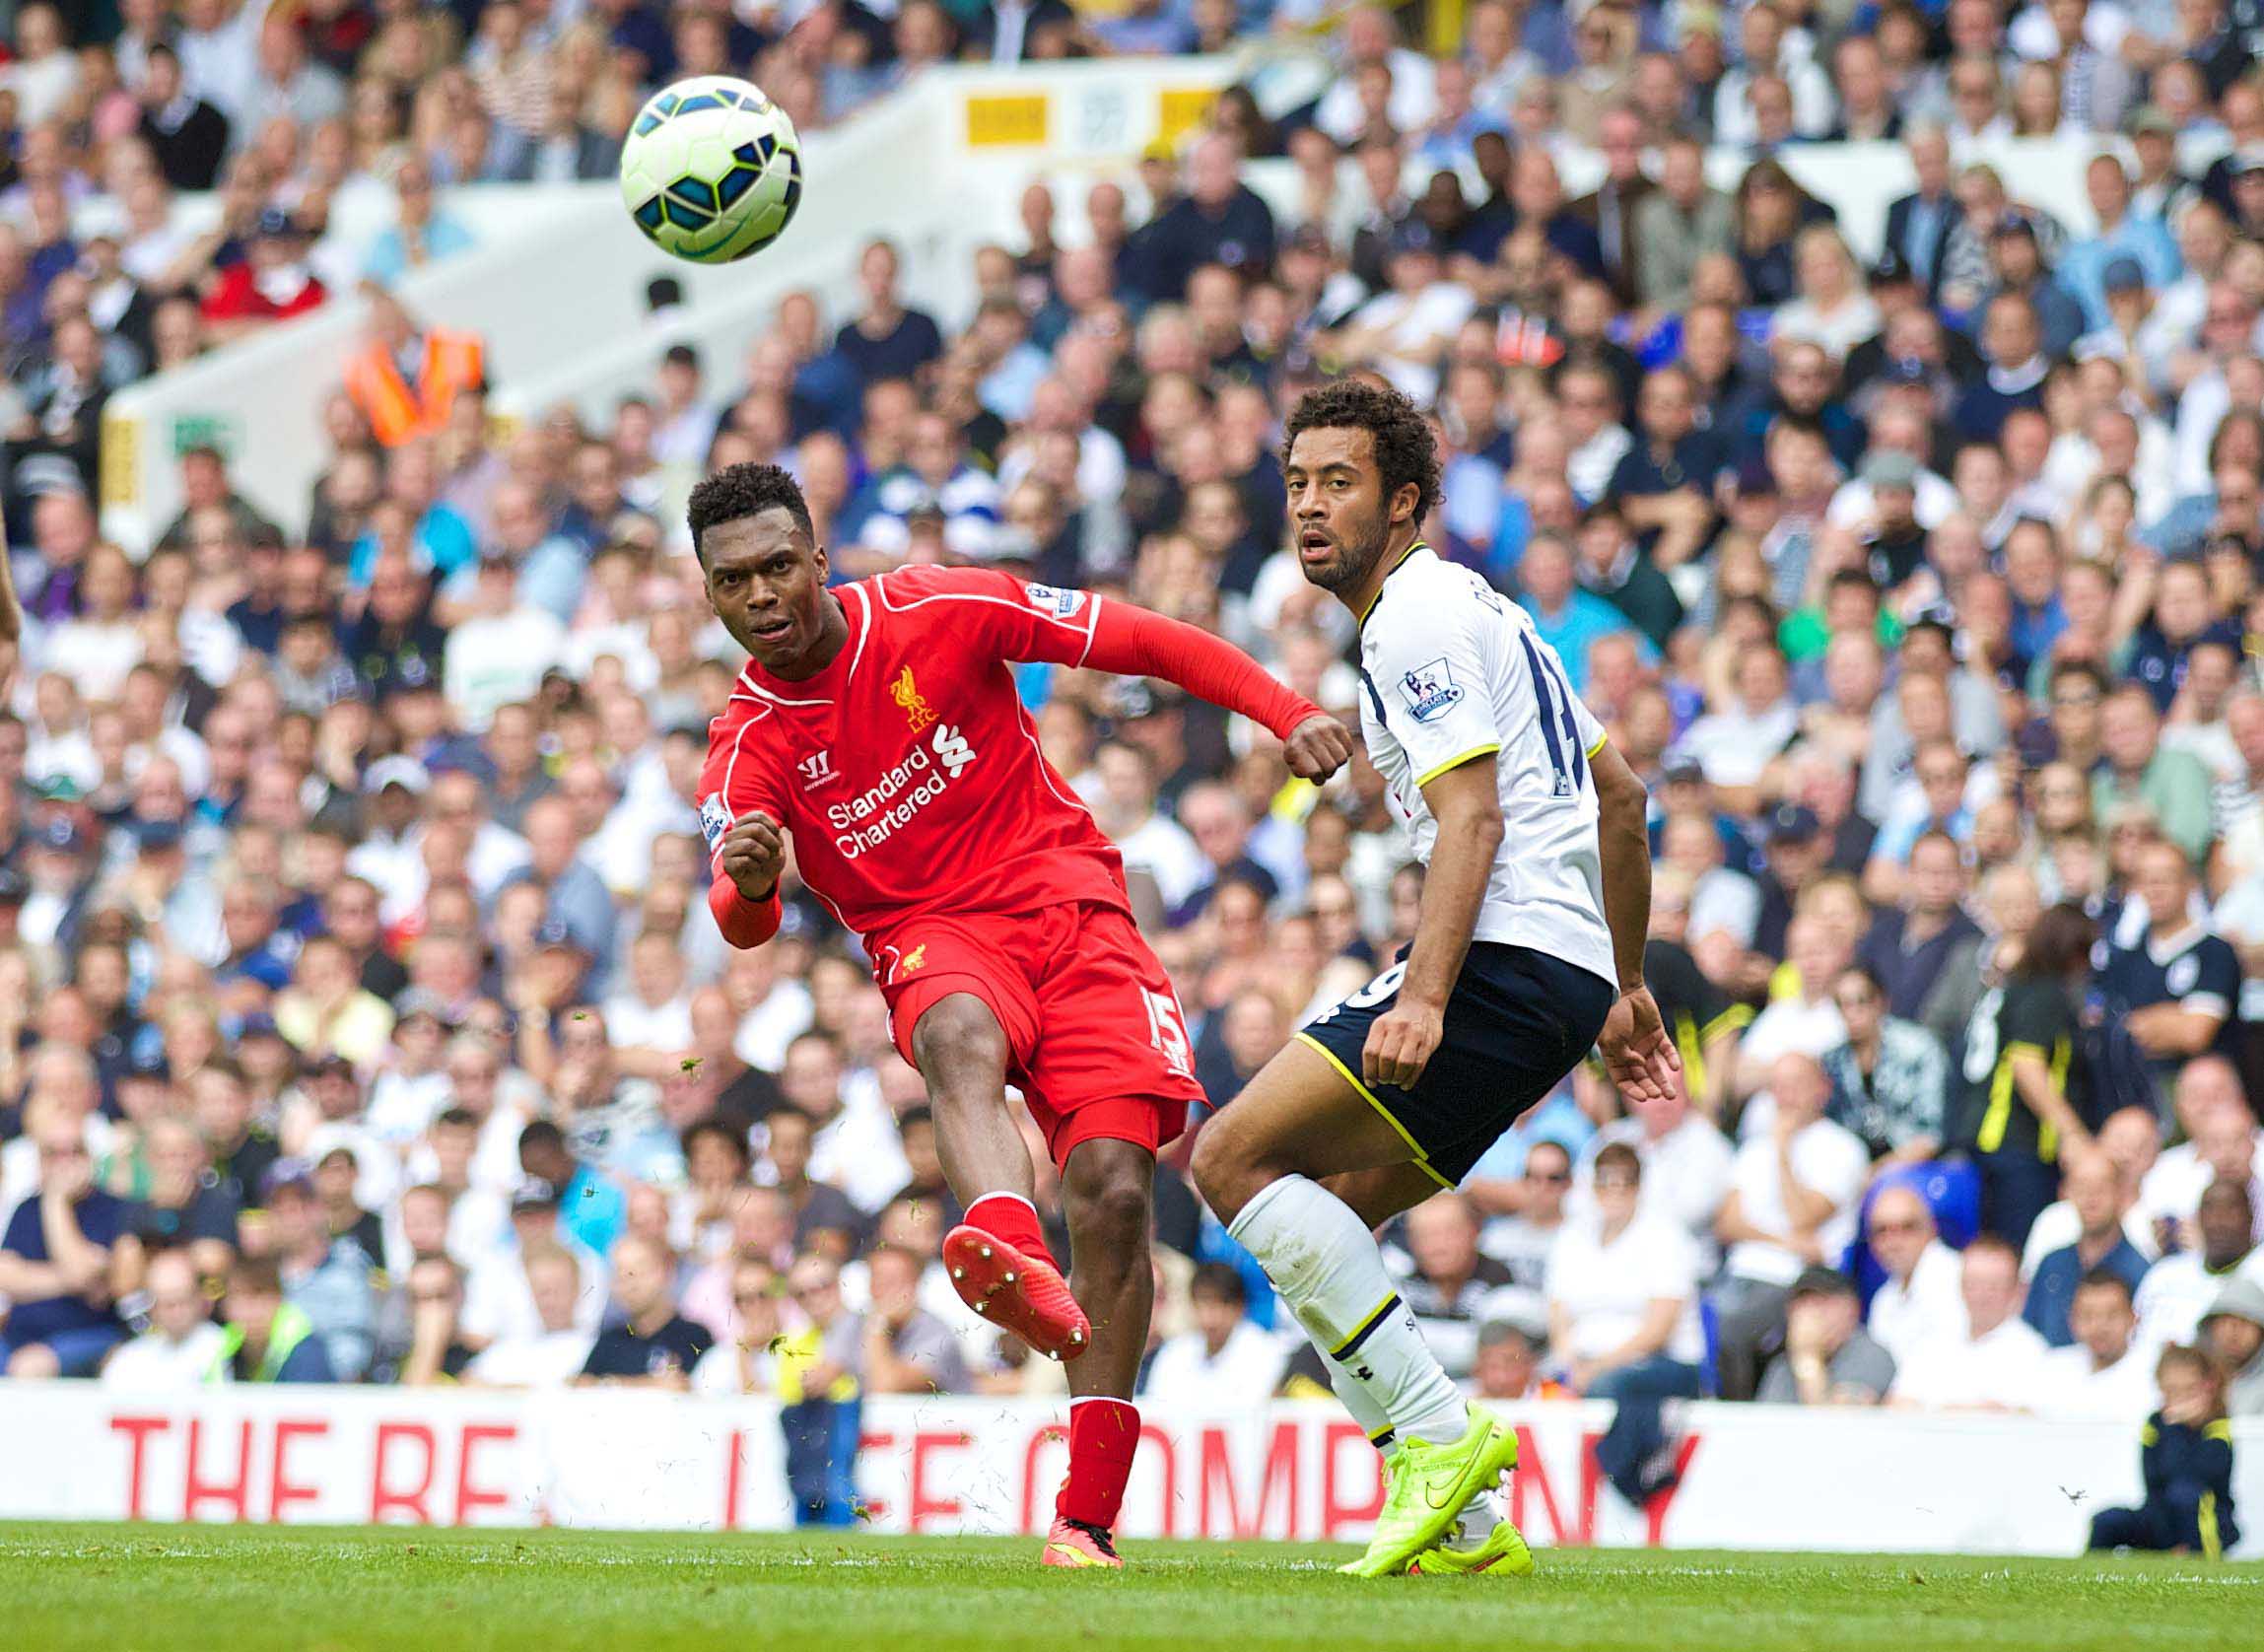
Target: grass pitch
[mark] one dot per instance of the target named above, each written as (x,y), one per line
(154,1589)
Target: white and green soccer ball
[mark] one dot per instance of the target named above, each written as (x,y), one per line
(712,169)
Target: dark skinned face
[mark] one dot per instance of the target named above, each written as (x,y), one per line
(1338,515)
(766,582)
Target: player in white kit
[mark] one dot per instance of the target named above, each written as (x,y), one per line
(1527,954)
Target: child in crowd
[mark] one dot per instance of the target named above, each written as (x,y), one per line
(2186,1456)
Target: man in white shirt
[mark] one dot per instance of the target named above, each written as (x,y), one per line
(2129,1138)
(1805,1022)
(1226,1359)
(2104,1375)
(1685,1169)
(182,1345)
(1794,1195)
(2221,1147)
(1995,1360)
(651,1024)
(2178,1289)
(1150,842)
(552,1353)
(856,1147)
(1920,1301)
(498,651)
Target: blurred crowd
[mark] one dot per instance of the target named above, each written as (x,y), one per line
(359,1019)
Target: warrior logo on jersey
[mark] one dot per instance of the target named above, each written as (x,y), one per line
(953,749)
(1051,599)
(715,820)
(817,768)
(1429,690)
(906,693)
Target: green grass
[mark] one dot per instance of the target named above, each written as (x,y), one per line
(152,1588)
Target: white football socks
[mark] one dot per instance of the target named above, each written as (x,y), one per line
(1324,1261)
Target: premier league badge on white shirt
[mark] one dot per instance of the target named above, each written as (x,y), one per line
(1429,690)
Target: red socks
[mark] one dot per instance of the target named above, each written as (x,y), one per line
(1103,1436)
(1011,1217)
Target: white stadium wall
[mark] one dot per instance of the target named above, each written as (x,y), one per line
(1754,1476)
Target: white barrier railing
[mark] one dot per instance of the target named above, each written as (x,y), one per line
(1752,1477)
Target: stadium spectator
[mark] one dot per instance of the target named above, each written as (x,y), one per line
(1794,1186)
(1623,1327)
(653,1347)
(1449,1284)
(2105,1374)
(266,1338)
(2088,1183)
(326,1279)
(2186,1459)
(1828,1358)
(906,1349)
(57,1253)
(1918,1302)
(1992,1360)
(2024,1049)
(1888,1079)
(1521,1237)
(2232,1331)
(182,1345)
(2179,1288)
(1225,1352)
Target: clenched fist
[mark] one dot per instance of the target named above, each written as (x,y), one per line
(753,851)
(1318,747)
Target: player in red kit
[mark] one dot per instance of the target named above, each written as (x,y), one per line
(877,724)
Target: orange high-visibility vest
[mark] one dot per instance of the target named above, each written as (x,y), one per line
(397,410)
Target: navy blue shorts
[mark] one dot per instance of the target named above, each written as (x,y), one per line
(1516,1023)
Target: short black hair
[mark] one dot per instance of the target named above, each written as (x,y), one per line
(2105,1278)
(1221,1279)
(1405,450)
(745,490)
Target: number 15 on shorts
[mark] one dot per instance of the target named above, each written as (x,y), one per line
(1167,1031)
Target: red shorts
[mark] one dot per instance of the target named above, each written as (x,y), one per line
(1096,1041)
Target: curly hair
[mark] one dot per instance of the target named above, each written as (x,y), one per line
(1405,450)
(745,490)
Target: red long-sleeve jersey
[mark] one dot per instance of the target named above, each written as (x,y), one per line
(908,770)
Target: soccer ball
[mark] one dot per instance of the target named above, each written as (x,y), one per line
(712,169)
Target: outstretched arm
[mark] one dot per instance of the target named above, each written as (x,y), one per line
(1132,641)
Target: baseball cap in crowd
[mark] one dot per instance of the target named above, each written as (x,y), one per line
(258,1024)
(404,772)
(1681,769)
(1310,238)
(2152,119)
(1887,468)
(148,1061)
(1822,1281)
(2012,223)
(327,1142)
(295,1174)
(534,1193)
(277,225)
(2249,158)
(331,1066)
(1791,823)
(2122,275)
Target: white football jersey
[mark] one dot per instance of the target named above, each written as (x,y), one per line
(1451,670)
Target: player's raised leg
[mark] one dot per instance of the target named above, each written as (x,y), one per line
(998,1256)
(1108,1195)
(1259,1164)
